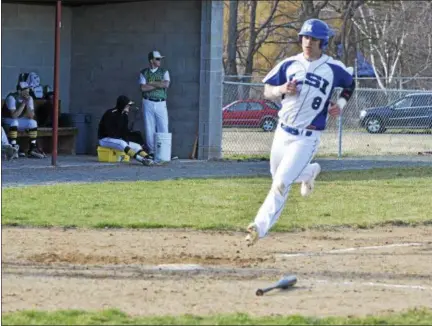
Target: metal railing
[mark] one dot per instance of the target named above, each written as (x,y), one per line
(373,122)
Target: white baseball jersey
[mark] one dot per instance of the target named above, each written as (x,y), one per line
(316,81)
(12,103)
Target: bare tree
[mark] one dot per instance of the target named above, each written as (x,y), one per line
(254,34)
(311,9)
(416,59)
(231,61)
(278,26)
(376,25)
(345,36)
(386,28)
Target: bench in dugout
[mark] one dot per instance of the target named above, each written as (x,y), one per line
(66,135)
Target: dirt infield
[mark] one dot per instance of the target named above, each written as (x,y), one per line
(160,272)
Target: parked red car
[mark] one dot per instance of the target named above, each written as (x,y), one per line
(251,113)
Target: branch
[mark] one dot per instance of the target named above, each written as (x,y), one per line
(372,57)
(319,6)
(374,46)
(263,38)
(427,63)
(393,68)
(399,46)
(270,17)
(363,31)
(265,58)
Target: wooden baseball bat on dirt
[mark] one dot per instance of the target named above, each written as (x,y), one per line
(284,283)
(194,148)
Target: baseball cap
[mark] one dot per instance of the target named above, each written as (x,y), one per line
(154,54)
(23,85)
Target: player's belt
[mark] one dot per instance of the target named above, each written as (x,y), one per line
(154,99)
(295,131)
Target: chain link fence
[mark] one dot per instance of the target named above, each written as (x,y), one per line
(374,122)
(406,83)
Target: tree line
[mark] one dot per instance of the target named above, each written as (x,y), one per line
(394,37)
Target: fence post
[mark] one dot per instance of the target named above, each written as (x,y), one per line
(340,136)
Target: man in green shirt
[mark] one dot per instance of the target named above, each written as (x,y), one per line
(154,82)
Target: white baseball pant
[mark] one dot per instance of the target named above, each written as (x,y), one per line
(21,123)
(119,144)
(4,139)
(155,120)
(290,159)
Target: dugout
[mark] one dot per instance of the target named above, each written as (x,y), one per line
(104,45)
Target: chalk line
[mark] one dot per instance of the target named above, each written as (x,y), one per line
(335,251)
(399,286)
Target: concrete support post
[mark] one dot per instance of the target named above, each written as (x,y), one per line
(211,75)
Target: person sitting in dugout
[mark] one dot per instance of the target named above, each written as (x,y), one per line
(114,132)
(18,114)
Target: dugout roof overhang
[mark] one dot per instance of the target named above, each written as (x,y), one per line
(70,2)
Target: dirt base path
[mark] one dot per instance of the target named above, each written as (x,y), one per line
(160,272)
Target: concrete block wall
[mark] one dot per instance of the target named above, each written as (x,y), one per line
(27,36)
(110,44)
(105,46)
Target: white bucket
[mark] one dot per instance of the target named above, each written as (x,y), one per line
(163,146)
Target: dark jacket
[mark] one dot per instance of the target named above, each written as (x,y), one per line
(114,124)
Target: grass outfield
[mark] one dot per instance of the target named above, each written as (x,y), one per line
(115,317)
(354,198)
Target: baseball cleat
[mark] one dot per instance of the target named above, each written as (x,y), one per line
(160,163)
(308,186)
(11,152)
(36,153)
(252,237)
(147,162)
(16,152)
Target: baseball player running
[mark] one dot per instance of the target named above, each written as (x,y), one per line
(305,83)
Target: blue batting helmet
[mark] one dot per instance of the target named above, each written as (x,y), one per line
(318,29)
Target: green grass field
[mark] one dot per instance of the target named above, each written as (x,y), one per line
(115,317)
(355,198)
